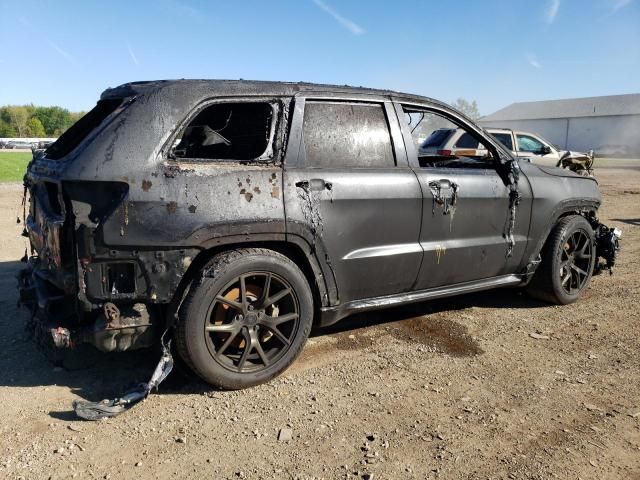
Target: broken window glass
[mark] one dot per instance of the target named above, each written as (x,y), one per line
(440,142)
(341,134)
(71,138)
(228,131)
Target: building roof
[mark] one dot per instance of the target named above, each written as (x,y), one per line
(569,108)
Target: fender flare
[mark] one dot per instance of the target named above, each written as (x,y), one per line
(572,205)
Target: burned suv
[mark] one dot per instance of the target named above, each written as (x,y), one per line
(233,216)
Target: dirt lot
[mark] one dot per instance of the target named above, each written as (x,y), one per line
(449,389)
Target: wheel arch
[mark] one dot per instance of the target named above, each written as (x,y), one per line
(584,207)
(294,250)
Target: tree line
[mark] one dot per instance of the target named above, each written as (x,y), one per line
(18,121)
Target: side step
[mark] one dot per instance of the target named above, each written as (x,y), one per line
(330,315)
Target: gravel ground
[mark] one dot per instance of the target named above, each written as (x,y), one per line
(456,388)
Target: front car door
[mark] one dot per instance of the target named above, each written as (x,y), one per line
(466,208)
(350,193)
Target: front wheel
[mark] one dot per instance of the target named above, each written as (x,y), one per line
(568,259)
(246,320)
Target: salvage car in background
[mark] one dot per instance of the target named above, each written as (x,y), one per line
(235,215)
(524,145)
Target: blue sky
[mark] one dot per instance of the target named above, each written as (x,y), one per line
(494,51)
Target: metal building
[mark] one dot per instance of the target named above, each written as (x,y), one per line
(609,125)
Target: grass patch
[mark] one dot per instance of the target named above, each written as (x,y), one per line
(13,165)
(604,162)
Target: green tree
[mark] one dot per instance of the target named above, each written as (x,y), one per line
(18,117)
(6,130)
(55,120)
(470,109)
(29,120)
(35,128)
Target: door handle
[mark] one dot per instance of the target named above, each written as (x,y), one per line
(314,185)
(445,193)
(442,184)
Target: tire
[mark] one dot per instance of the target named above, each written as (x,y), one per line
(218,323)
(568,259)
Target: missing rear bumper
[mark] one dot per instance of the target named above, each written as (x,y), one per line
(56,322)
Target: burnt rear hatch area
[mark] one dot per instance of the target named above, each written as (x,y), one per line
(64,227)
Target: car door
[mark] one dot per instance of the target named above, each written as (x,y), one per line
(350,192)
(466,208)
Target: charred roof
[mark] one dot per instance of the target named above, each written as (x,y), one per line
(252,87)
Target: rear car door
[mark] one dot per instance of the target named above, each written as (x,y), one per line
(466,206)
(350,193)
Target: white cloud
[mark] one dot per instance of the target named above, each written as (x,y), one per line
(63,53)
(552,11)
(345,22)
(618,4)
(132,54)
(533,61)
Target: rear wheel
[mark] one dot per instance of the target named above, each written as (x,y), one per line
(568,259)
(247,319)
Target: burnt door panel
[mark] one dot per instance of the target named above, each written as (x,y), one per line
(349,199)
(464,238)
(466,210)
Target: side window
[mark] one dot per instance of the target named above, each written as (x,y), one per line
(467,141)
(504,139)
(340,134)
(228,131)
(529,144)
(440,142)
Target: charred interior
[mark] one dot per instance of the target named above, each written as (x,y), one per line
(227,131)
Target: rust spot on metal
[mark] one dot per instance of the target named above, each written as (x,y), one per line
(146,185)
(172,207)
(275,192)
(257,190)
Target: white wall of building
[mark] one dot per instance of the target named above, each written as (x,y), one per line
(618,134)
(605,134)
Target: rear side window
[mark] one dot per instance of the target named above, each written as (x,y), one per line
(82,128)
(467,141)
(227,131)
(346,135)
(504,139)
(437,138)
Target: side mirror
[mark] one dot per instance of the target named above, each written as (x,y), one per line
(545,150)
